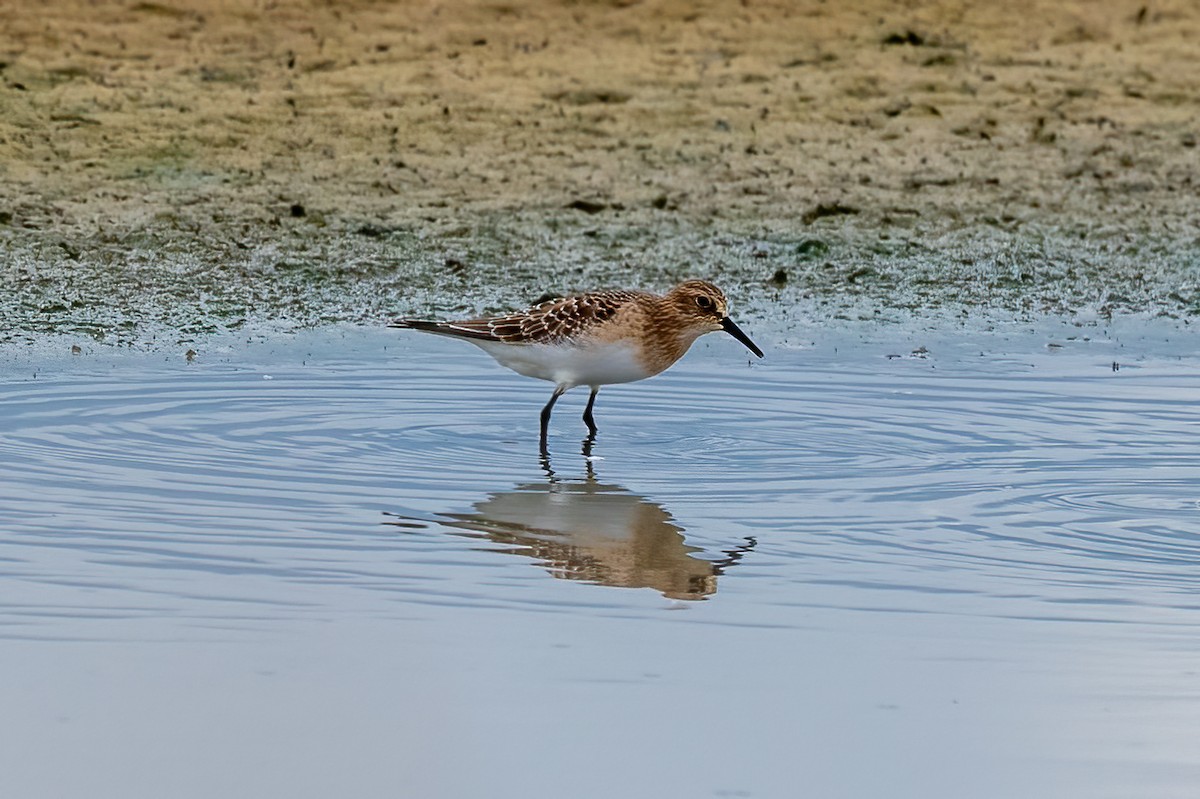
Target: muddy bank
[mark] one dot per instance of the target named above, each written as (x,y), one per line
(172,168)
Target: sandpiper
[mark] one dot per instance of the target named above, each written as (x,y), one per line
(597,338)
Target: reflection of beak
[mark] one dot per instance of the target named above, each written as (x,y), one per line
(729,327)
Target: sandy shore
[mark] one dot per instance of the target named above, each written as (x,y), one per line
(274,156)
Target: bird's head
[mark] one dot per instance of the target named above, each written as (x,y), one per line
(703,306)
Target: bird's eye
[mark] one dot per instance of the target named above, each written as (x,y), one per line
(704,302)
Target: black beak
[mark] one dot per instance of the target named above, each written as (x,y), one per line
(729,327)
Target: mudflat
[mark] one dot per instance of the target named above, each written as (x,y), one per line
(200,163)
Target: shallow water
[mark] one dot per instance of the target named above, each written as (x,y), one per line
(335,565)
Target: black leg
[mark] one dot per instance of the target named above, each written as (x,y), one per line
(558,392)
(588,419)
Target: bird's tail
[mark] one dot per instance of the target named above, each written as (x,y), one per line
(451,329)
(415,324)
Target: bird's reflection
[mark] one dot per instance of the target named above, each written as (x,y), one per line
(586,530)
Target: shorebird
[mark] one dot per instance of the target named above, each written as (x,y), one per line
(596,339)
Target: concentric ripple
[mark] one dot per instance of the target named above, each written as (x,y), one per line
(228,494)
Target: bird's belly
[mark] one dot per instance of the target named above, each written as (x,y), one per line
(569,366)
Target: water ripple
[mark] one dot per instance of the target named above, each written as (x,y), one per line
(969,492)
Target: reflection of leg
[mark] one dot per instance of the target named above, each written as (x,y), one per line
(588,419)
(545,461)
(588,465)
(558,392)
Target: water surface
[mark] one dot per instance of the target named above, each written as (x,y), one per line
(335,564)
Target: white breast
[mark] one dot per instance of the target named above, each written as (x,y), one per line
(563,365)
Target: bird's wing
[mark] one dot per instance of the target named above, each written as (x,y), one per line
(550,321)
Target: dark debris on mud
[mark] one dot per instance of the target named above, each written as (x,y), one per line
(158,286)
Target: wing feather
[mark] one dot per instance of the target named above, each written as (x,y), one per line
(556,320)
